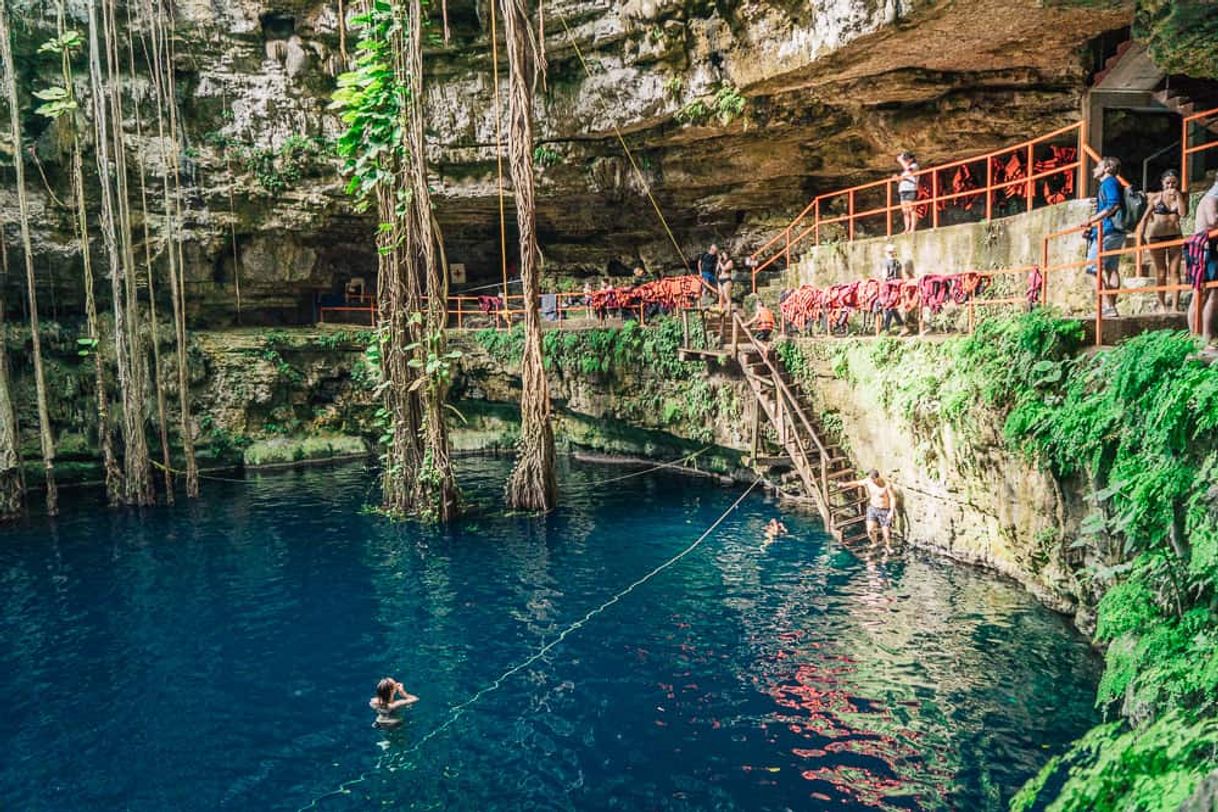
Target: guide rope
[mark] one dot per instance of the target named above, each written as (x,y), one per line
(677,463)
(456,711)
(176,472)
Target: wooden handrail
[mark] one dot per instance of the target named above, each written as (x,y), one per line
(793,406)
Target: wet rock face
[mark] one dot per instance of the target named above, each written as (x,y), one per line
(736,112)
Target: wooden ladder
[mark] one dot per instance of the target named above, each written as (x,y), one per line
(820,465)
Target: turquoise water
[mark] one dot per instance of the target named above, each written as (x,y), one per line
(220,655)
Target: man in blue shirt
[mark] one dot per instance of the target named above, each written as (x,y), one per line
(708,265)
(1108,201)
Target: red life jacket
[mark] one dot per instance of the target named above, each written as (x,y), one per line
(1036,283)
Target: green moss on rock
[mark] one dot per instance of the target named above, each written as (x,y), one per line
(295,450)
(1180,36)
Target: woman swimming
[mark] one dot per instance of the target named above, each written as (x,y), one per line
(386,705)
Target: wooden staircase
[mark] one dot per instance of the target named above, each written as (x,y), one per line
(816,465)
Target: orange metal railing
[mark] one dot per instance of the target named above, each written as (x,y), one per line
(570,306)
(1008,173)
(1188,127)
(1015,294)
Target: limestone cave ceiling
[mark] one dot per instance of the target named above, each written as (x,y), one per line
(828,92)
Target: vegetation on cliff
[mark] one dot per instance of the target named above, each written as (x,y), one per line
(381,102)
(1136,423)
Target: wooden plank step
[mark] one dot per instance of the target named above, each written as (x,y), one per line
(848,506)
(850,522)
(855,537)
(690,354)
(842,474)
(770,462)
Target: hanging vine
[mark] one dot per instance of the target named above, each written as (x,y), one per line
(46,441)
(384,158)
(60,103)
(12,484)
(159,22)
(532,485)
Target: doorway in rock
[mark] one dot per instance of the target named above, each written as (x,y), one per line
(1147,140)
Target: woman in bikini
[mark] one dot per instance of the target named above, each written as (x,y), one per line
(390,698)
(1161,222)
(725,270)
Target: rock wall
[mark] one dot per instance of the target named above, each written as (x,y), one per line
(281,396)
(960,493)
(736,113)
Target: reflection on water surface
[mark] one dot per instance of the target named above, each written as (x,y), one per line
(221,654)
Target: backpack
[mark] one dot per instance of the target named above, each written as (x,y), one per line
(1133,206)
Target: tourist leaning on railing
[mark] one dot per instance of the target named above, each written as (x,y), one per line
(1107,203)
(907,190)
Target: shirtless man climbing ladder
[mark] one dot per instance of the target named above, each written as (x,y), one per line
(879,506)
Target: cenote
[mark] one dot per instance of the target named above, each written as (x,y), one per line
(219,654)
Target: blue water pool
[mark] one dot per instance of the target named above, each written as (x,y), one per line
(220,655)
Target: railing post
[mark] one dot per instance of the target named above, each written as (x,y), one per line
(788,258)
(782,422)
(989,187)
(850,214)
(888,209)
(1184,155)
(934,198)
(1099,284)
(1082,161)
(685,326)
(816,222)
(1044,272)
(824,484)
(756,429)
(1031,184)
(735,334)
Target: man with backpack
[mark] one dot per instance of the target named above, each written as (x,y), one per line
(708,269)
(1118,213)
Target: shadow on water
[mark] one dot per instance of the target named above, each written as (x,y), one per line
(221,654)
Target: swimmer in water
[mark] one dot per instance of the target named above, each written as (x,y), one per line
(390,698)
(773,530)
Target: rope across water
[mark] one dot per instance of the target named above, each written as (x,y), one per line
(456,711)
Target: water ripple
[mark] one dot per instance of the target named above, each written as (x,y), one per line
(220,655)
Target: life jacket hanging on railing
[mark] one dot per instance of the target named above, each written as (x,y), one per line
(924,194)
(964,181)
(1011,170)
(1060,187)
(1036,284)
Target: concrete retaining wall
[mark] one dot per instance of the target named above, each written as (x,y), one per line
(1008,242)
